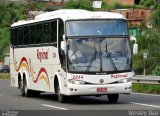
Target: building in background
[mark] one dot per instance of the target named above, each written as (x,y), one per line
(135,17)
(138,20)
(124,2)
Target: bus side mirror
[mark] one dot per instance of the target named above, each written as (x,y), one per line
(63,44)
(135,49)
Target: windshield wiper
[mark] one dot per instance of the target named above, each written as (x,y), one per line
(92,59)
(74,53)
(111,60)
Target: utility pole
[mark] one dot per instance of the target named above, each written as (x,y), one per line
(145,59)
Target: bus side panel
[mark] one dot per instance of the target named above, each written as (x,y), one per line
(39,64)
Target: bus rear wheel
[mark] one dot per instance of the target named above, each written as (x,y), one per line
(113,98)
(23,88)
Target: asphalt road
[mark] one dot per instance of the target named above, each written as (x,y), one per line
(11,100)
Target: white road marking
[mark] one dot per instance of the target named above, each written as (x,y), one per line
(145,94)
(145,104)
(54,107)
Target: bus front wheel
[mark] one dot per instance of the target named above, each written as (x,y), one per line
(113,98)
(61,98)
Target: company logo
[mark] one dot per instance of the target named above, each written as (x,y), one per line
(119,75)
(42,55)
(101,81)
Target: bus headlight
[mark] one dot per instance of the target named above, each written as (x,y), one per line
(125,80)
(78,82)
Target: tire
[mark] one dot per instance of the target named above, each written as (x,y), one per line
(24,90)
(61,98)
(113,98)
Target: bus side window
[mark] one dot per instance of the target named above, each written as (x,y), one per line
(32,34)
(39,34)
(20,36)
(12,37)
(54,33)
(46,34)
(15,39)
(26,35)
(61,30)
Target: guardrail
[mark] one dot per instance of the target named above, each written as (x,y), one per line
(146,79)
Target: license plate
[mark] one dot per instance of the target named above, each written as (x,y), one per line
(101,89)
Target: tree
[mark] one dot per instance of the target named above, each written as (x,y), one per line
(147,3)
(79,4)
(150,43)
(9,14)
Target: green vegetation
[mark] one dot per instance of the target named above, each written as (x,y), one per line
(9,14)
(148,3)
(87,4)
(146,88)
(5,76)
(149,43)
(80,4)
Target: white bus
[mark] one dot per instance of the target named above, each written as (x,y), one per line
(72,53)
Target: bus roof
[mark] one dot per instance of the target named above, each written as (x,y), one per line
(70,14)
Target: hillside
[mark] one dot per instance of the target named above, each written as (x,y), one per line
(10,13)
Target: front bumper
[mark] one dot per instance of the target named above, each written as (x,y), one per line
(121,88)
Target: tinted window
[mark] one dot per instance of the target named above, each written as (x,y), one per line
(12,36)
(15,39)
(33,34)
(54,32)
(46,34)
(26,35)
(20,36)
(61,30)
(39,34)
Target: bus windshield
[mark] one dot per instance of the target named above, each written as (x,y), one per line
(96,27)
(98,54)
